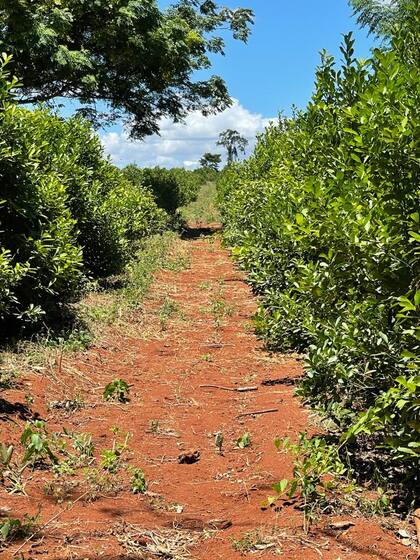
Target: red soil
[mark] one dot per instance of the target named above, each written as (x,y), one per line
(166,373)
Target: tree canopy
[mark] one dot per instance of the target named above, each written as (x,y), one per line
(136,58)
(211,161)
(381,15)
(234,144)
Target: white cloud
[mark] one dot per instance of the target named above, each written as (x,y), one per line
(184,144)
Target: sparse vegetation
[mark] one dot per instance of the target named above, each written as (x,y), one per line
(244,441)
(205,209)
(117,390)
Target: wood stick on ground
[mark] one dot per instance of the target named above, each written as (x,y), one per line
(233,389)
(255,412)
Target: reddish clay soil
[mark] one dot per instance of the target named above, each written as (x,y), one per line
(166,369)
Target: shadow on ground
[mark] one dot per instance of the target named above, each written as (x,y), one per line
(195,231)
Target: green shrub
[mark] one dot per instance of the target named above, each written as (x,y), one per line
(172,188)
(40,261)
(324,216)
(65,212)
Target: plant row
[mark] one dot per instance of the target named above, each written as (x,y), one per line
(67,215)
(325,217)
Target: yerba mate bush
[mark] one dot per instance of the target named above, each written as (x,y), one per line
(325,217)
(66,213)
(171,188)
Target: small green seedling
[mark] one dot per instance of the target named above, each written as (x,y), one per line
(117,390)
(6,453)
(11,528)
(110,460)
(36,442)
(138,481)
(244,441)
(218,441)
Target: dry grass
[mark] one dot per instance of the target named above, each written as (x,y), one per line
(170,544)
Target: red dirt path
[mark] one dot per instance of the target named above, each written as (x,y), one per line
(166,372)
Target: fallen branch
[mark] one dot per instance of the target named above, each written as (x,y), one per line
(233,389)
(258,412)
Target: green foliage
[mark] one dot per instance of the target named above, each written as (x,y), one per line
(317,474)
(136,58)
(380,15)
(244,441)
(138,481)
(171,188)
(65,212)
(234,144)
(40,260)
(117,390)
(12,529)
(324,216)
(210,161)
(36,443)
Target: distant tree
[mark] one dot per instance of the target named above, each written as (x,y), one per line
(234,144)
(381,15)
(130,54)
(211,161)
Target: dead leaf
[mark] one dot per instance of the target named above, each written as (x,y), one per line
(403,534)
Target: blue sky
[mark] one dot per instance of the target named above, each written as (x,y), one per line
(268,75)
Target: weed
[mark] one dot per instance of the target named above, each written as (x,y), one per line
(166,311)
(219,308)
(82,446)
(12,529)
(204,210)
(101,483)
(318,474)
(6,453)
(37,443)
(61,490)
(29,399)
(154,427)
(178,262)
(244,441)
(117,390)
(218,442)
(112,458)
(207,358)
(8,374)
(71,341)
(138,481)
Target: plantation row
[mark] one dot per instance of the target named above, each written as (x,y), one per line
(325,217)
(67,215)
